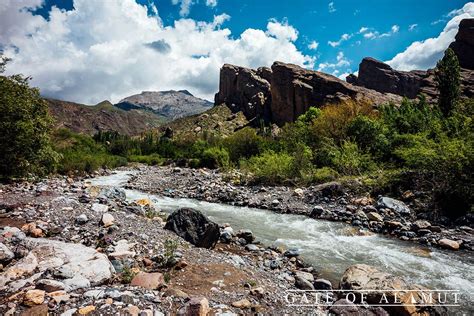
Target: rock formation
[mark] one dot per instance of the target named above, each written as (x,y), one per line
(463,45)
(244,89)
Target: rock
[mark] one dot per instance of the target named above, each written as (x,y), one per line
(373,216)
(345,308)
(292,252)
(59,296)
(194,227)
(303,284)
(22,268)
(122,250)
(421,224)
(131,310)
(34,297)
(107,220)
(225,237)
(329,189)
(257,292)
(112,193)
(322,284)
(197,306)
(448,244)
(5,254)
(463,46)
(82,219)
(77,282)
(150,281)
(394,205)
(38,310)
(49,285)
(99,208)
(86,310)
(251,247)
(246,90)
(243,303)
(298,192)
(275,203)
(246,234)
(305,275)
(317,211)
(70,260)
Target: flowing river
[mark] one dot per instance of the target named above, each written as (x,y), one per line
(330,247)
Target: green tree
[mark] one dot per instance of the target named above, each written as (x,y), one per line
(448,80)
(25,127)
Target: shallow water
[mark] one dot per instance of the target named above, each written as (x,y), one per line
(330,247)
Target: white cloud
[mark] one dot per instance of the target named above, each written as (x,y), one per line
(424,54)
(344,37)
(341,61)
(395,28)
(282,30)
(363,29)
(331,7)
(370,33)
(211,3)
(411,27)
(114,49)
(313,45)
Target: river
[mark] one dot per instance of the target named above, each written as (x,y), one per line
(330,246)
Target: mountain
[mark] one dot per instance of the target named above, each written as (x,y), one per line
(169,104)
(90,119)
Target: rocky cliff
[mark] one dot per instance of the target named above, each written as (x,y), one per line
(169,104)
(285,91)
(463,45)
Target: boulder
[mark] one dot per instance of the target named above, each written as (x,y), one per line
(5,254)
(112,193)
(197,306)
(463,46)
(373,216)
(194,227)
(448,244)
(34,297)
(150,281)
(107,220)
(394,205)
(303,284)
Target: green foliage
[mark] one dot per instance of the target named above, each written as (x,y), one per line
(215,157)
(244,143)
(324,174)
(270,167)
(350,160)
(151,160)
(25,146)
(168,259)
(127,274)
(448,79)
(370,135)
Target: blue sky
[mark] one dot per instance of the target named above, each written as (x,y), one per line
(200,35)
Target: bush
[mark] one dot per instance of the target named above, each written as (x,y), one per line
(324,174)
(349,160)
(244,143)
(151,160)
(215,157)
(369,134)
(25,125)
(270,167)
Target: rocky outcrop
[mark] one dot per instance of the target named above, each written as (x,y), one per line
(247,90)
(194,227)
(463,45)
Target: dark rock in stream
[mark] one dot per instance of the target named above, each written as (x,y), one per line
(194,227)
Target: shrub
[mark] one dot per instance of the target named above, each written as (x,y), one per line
(25,126)
(215,157)
(244,143)
(270,167)
(324,174)
(448,79)
(152,160)
(349,160)
(369,134)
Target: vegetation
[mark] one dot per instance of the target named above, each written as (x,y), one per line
(448,80)
(24,129)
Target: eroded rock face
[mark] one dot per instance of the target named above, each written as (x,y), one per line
(244,89)
(463,45)
(194,227)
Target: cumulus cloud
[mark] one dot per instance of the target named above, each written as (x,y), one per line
(411,27)
(344,37)
(331,7)
(185,5)
(424,54)
(370,33)
(114,49)
(211,3)
(313,45)
(341,61)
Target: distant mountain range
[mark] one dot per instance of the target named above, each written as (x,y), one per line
(169,104)
(131,116)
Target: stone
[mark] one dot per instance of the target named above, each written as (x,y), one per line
(251,247)
(23,267)
(292,252)
(242,304)
(421,224)
(131,310)
(50,285)
(82,219)
(317,211)
(246,234)
(122,250)
(394,205)
(373,216)
(194,227)
(112,193)
(77,282)
(225,237)
(448,244)
(150,281)
(6,254)
(322,284)
(99,208)
(59,296)
(298,192)
(86,310)
(38,310)
(34,297)
(305,275)
(107,220)
(303,284)
(197,306)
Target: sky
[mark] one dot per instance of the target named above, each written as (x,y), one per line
(87,51)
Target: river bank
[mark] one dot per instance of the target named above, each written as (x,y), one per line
(331,201)
(101,233)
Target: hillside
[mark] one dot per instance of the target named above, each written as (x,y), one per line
(169,104)
(104,116)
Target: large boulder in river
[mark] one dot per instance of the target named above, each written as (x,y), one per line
(194,227)
(394,205)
